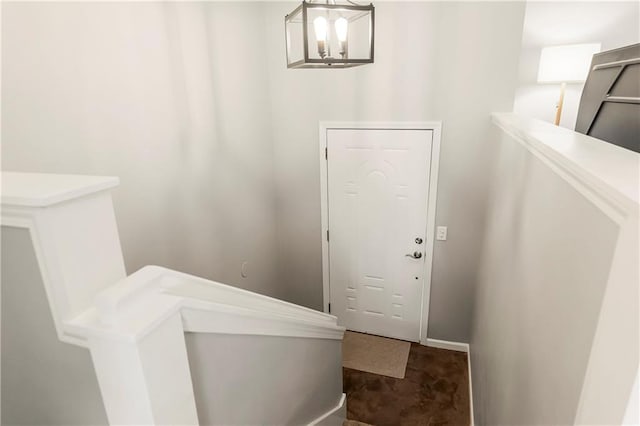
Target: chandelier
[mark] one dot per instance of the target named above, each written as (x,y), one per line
(329,35)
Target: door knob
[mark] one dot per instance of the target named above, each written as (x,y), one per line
(415,255)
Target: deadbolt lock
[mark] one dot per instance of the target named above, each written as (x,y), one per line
(418,240)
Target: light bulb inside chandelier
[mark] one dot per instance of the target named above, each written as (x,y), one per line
(342,31)
(320,26)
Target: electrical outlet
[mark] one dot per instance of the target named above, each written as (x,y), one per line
(441,233)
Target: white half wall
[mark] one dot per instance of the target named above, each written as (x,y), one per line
(555,327)
(44,381)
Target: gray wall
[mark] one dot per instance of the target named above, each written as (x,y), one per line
(249,380)
(44,381)
(170,98)
(449,61)
(544,269)
(216,141)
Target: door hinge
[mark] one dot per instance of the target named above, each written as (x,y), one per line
(326,153)
(327,235)
(329,307)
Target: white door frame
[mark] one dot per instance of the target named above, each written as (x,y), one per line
(434,126)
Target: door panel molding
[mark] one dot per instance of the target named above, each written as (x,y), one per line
(435,127)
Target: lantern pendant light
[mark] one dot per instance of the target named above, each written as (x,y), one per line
(329,35)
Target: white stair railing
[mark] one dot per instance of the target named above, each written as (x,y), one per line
(134,326)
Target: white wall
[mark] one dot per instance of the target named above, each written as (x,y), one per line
(614,24)
(555,326)
(264,380)
(449,61)
(170,98)
(216,141)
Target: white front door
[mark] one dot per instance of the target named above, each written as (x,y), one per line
(378,183)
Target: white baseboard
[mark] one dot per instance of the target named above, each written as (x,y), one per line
(460,347)
(335,416)
(446,344)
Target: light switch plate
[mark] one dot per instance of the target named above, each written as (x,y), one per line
(441,233)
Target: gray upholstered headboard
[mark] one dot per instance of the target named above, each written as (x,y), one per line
(610,104)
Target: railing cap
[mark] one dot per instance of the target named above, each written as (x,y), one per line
(611,170)
(44,189)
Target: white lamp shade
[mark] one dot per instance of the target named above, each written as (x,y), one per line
(566,64)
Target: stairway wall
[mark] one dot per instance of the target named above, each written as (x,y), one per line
(242,380)
(167,96)
(216,142)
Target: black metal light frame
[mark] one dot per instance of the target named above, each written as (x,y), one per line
(328,62)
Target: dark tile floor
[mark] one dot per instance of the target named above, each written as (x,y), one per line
(435,391)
